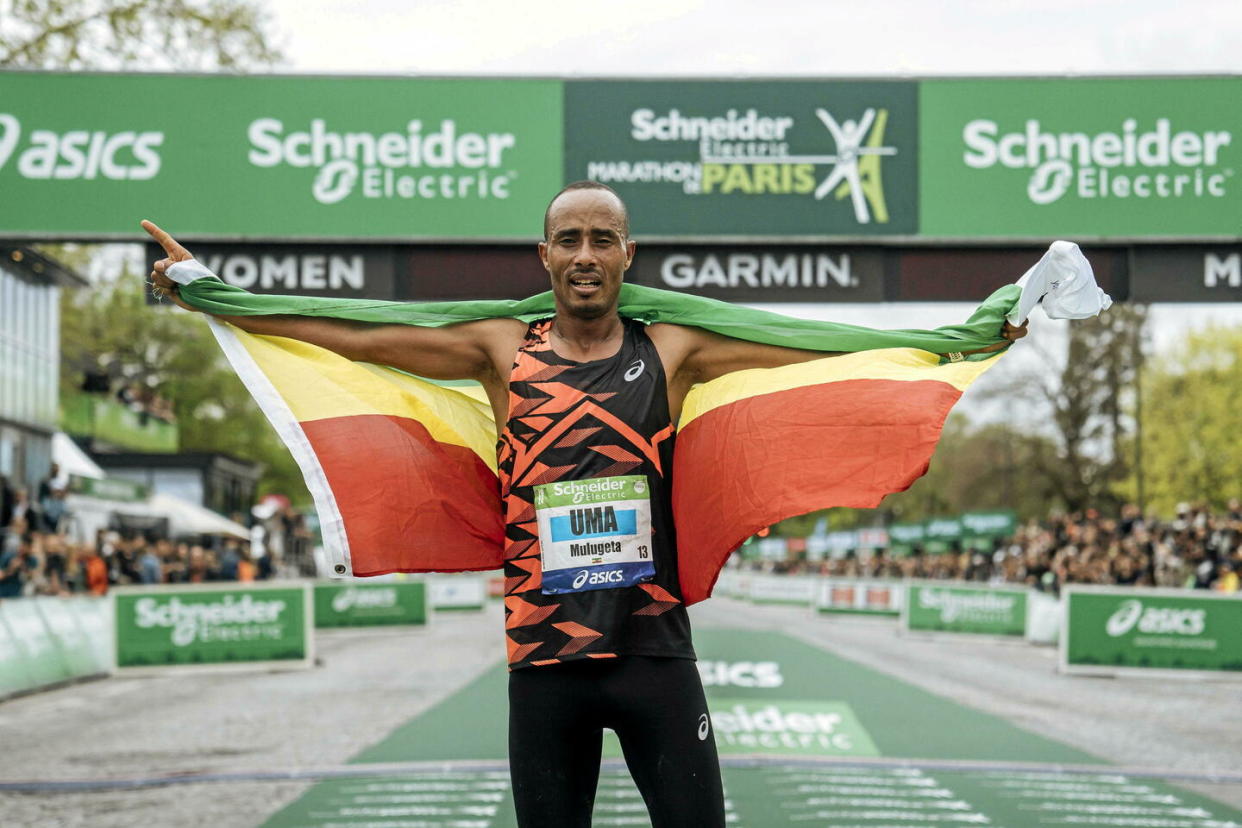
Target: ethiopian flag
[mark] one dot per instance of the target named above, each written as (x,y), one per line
(403,469)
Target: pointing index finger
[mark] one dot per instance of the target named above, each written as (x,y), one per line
(174,250)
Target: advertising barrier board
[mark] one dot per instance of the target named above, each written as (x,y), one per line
(88,155)
(456,592)
(361,604)
(958,607)
(1080,157)
(1167,632)
(860,596)
(213,626)
(783,589)
(48,640)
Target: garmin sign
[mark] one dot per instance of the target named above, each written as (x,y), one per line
(787,273)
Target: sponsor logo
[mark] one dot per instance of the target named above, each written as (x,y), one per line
(376,598)
(79,154)
(1141,160)
(582,491)
(635,370)
(422,162)
(955,606)
(748,153)
(765,674)
(588,578)
(1155,621)
(229,619)
(762,270)
(771,727)
(705,727)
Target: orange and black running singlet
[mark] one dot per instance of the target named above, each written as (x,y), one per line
(586,479)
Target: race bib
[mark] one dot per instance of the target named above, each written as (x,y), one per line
(595,534)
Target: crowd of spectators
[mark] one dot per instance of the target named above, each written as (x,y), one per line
(38,556)
(1196,549)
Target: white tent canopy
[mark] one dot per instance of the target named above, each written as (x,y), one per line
(72,460)
(185,518)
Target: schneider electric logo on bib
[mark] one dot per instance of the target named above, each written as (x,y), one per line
(1139,159)
(417,161)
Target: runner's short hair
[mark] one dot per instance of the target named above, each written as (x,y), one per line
(587,185)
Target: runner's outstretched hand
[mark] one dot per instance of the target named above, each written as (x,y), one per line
(161,285)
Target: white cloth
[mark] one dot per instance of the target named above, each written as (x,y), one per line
(1063,279)
(188,271)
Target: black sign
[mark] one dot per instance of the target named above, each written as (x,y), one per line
(787,273)
(344,271)
(1187,274)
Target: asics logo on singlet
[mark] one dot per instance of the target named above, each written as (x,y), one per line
(635,371)
(705,727)
(611,576)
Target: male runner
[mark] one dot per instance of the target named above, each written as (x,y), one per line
(629,663)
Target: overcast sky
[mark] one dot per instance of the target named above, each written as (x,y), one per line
(773,37)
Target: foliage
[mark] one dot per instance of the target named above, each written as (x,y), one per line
(1088,404)
(201,35)
(111,331)
(1192,423)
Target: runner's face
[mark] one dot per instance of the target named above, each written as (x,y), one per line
(586,253)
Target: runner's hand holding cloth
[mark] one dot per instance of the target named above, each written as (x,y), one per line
(403,469)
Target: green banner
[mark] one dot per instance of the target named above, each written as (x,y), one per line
(753,158)
(211,625)
(997,524)
(1134,628)
(1080,157)
(277,157)
(965,609)
(354,604)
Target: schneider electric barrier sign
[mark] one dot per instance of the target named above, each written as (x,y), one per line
(960,608)
(210,625)
(1112,630)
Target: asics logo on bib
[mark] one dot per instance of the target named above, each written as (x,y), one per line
(705,727)
(611,576)
(635,370)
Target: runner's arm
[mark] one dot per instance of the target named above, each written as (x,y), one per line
(468,350)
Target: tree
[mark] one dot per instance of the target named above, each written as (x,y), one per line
(1087,408)
(111,331)
(1192,423)
(201,35)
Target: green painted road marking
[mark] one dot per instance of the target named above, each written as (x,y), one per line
(785,693)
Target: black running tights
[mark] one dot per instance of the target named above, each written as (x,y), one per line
(557,714)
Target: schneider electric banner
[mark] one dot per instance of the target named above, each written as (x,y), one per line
(1080,157)
(277,157)
(963,608)
(213,625)
(750,158)
(1151,631)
